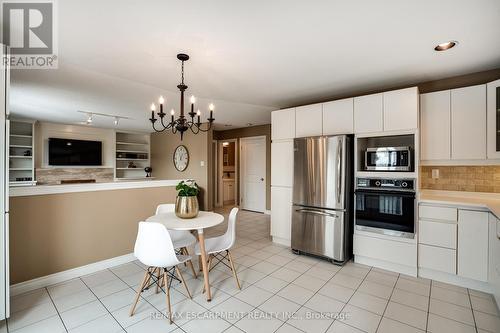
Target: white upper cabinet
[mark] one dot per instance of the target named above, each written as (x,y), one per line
(468,123)
(401,109)
(308,120)
(493,107)
(473,245)
(283,124)
(368,114)
(282,163)
(338,117)
(435,125)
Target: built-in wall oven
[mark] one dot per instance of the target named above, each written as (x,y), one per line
(388,159)
(386,206)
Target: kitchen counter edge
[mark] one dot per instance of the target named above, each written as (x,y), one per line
(89,187)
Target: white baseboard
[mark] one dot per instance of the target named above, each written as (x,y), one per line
(282,241)
(69,274)
(390,266)
(455,280)
(267,212)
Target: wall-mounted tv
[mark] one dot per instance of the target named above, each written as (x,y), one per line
(75,152)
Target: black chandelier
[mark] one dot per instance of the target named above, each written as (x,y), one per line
(181,124)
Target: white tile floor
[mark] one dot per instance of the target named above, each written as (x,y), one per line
(275,284)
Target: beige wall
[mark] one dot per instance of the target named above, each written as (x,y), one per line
(53,233)
(262,130)
(162,149)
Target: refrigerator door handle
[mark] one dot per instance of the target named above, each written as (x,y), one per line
(339,170)
(316,212)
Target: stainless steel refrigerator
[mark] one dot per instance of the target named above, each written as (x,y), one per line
(4,186)
(322,211)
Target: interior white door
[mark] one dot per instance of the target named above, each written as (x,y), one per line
(253,174)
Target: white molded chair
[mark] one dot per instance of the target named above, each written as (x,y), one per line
(180,238)
(218,248)
(154,248)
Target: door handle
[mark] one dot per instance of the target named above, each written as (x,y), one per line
(316,212)
(339,170)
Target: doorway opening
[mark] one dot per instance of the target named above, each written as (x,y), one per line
(227,175)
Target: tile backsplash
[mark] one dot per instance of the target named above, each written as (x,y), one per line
(54,176)
(462,178)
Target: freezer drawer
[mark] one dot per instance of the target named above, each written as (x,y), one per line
(319,231)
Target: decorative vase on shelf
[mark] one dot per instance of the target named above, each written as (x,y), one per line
(186,203)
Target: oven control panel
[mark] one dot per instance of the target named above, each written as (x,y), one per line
(402,184)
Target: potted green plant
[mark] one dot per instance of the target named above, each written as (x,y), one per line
(186,203)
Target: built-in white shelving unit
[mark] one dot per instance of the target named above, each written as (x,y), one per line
(21,153)
(132,155)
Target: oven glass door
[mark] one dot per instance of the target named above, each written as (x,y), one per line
(387,159)
(389,210)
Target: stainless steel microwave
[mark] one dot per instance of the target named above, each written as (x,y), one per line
(388,159)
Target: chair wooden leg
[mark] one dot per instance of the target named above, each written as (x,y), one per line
(143,284)
(190,263)
(158,274)
(183,281)
(183,252)
(167,292)
(233,269)
(200,264)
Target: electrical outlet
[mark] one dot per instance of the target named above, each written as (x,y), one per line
(435,173)
(202,163)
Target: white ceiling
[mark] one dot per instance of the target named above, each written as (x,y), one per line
(249,57)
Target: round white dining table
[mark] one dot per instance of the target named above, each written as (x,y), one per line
(199,223)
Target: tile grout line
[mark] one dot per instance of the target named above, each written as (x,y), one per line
(314,294)
(429,307)
(141,298)
(55,307)
(109,312)
(387,305)
(472,310)
(346,303)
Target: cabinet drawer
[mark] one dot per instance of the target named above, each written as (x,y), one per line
(437,258)
(437,213)
(438,234)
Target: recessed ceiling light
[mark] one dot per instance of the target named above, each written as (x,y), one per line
(445,46)
(249,124)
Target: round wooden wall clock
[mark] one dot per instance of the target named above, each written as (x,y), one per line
(181,158)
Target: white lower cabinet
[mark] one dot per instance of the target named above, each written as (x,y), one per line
(281,213)
(437,258)
(473,245)
(494,256)
(453,241)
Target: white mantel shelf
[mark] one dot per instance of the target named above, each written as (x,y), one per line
(89,187)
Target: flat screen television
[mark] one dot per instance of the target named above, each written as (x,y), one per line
(75,152)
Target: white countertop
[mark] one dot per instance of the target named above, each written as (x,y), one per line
(475,200)
(87,187)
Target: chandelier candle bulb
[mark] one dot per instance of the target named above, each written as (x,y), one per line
(153,108)
(172,112)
